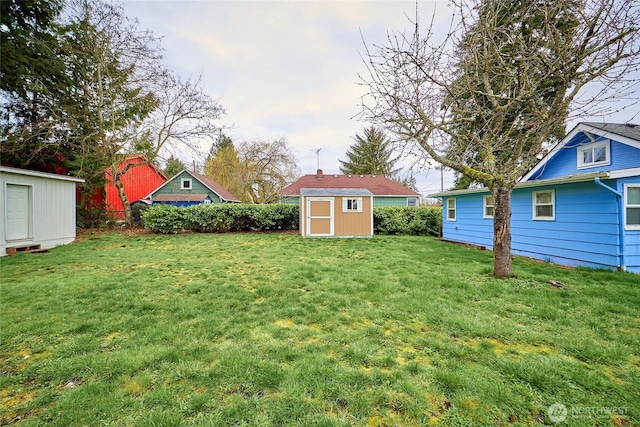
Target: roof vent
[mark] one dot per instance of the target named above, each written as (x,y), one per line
(361,176)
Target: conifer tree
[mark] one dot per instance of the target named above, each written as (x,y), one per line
(370,155)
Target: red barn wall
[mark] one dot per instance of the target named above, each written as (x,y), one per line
(138,182)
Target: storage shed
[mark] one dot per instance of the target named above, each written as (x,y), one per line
(38,210)
(336,212)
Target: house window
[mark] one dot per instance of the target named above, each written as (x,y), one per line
(544,205)
(412,201)
(185,184)
(487,208)
(352,205)
(451,209)
(594,154)
(632,206)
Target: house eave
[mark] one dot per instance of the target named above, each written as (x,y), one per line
(554,181)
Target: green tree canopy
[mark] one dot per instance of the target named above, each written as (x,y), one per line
(173,167)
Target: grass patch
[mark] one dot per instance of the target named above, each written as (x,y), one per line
(273,329)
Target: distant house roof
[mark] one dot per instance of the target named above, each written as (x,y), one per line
(378,185)
(335,192)
(180,197)
(219,189)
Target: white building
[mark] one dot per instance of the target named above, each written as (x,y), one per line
(38,210)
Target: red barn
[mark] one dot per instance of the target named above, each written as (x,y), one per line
(138,182)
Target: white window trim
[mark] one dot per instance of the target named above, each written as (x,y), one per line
(485,206)
(183,180)
(581,148)
(553,205)
(412,198)
(626,206)
(455,209)
(345,202)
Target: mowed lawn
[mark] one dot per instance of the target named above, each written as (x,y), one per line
(274,329)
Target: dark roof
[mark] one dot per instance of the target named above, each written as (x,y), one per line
(628,130)
(180,197)
(219,189)
(335,192)
(377,184)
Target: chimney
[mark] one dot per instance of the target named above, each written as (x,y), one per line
(319,173)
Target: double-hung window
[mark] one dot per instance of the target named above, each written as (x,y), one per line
(594,154)
(487,206)
(632,206)
(544,205)
(451,209)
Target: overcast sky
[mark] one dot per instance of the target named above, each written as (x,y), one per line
(285,69)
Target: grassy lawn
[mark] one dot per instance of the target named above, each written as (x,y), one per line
(273,329)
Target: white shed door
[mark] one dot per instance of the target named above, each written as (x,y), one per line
(319,216)
(18,211)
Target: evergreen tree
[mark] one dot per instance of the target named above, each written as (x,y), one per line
(370,155)
(174,166)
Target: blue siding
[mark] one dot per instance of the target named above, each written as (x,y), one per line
(469,226)
(584,232)
(631,237)
(565,162)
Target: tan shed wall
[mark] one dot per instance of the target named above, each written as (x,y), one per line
(352,223)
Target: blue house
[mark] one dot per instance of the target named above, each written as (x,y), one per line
(579,206)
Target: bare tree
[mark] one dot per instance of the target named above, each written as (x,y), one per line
(255,171)
(485,98)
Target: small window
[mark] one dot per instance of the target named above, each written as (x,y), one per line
(632,206)
(412,201)
(488,206)
(185,184)
(544,205)
(451,209)
(594,154)
(352,205)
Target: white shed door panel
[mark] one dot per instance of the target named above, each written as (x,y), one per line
(18,211)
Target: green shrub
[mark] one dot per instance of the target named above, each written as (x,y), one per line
(164,219)
(221,218)
(415,221)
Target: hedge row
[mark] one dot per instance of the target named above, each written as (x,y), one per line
(244,217)
(221,218)
(415,221)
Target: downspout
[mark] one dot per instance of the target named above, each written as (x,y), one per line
(620,222)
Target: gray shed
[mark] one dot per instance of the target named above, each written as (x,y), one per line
(38,210)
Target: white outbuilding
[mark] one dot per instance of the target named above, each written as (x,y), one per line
(38,210)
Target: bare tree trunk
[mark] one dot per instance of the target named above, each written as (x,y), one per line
(117,181)
(502,232)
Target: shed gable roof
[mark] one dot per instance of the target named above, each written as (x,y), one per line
(378,185)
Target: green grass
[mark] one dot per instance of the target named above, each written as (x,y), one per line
(273,329)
